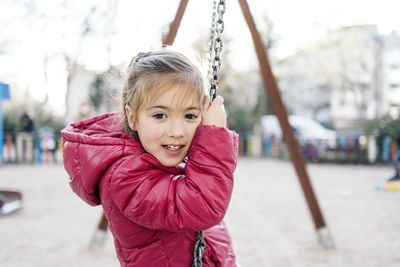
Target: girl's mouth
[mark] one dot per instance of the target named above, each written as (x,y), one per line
(173,147)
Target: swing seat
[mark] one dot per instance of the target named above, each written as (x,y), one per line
(100,235)
(10,202)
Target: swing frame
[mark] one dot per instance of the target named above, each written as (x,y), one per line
(272,90)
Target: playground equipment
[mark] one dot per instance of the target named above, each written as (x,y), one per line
(324,236)
(10,201)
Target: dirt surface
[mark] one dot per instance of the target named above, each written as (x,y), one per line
(268,218)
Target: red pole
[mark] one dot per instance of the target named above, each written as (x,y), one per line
(295,153)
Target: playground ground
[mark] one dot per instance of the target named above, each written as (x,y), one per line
(268,218)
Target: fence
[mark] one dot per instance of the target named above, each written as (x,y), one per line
(359,149)
(22,147)
(46,148)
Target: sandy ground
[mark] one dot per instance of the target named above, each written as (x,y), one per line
(268,218)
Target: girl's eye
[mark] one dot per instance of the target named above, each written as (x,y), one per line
(190,116)
(159,116)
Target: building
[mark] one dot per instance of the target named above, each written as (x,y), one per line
(77,99)
(349,76)
(91,93)
(391,75)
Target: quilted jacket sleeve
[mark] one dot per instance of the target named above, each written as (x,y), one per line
(162,198)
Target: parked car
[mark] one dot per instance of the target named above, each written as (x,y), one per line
(304,128)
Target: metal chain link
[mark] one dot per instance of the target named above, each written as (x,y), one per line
(199,250)
(217,27)
(216,47)
(212,38)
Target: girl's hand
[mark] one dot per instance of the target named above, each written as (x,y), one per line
(214,112)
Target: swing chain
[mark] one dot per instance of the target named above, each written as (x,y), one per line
(216,47)
(199,250)
(212,38)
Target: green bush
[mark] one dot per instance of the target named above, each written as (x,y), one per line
(384,126)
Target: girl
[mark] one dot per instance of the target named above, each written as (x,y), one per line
(163,170)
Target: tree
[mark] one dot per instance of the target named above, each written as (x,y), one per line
(243,91)
(270,40)
(88,23)
(358,51)
(41,116)
(384,126)
(97,92)
(71,24)
(103,91)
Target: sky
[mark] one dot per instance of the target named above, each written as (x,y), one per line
(137,27)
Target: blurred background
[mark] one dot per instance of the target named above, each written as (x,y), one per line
(337,64)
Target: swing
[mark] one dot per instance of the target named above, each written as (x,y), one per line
(324,236)
(272,89)
(10,202)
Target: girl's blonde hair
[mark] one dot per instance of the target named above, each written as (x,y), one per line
(151,74)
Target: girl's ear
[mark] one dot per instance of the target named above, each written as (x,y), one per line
(130,117)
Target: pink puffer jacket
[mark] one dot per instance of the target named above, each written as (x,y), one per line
(155,211)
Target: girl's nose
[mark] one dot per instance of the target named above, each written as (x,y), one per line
(176,128)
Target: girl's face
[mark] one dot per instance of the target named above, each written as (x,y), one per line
(166,127)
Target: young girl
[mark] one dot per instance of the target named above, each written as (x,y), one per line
(163,170)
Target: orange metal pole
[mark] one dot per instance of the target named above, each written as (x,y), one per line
(280,110)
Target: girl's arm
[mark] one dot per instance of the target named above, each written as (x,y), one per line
(166,198)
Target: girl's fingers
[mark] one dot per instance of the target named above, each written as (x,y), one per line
(206,102)
(218,101)
(214,112)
